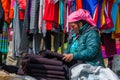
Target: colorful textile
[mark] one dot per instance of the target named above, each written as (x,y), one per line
(99,13)
(90,5)
(6,7)
(78,4)
(114,13)
(49,13)
(4,40)
(11,13)
(61,6)
(116,34)
(73,5)
(108,23)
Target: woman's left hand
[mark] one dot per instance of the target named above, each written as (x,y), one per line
(67,57)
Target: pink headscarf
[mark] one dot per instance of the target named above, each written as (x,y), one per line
(81,14)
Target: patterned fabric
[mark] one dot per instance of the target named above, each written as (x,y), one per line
(34,12)
(4,40)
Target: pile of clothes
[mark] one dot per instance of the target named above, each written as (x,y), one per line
(47,65)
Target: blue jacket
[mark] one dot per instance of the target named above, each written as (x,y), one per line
(86,46)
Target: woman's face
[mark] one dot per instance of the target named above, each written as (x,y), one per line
(75,27)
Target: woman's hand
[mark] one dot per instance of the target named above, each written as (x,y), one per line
(67,57)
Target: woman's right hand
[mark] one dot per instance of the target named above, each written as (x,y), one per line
(67,57)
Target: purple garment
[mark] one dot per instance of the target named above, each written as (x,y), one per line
(46,61)
(51,54)
(109,44)
(45,67)
(44,71)
(49,76)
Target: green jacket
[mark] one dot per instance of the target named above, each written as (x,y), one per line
(86,46)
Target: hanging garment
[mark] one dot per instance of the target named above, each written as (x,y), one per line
(109,44)
(116,34)
(6,7)
(49,13)
(98,15)
(67,24)
(90,5)
(72,5)
(4,40)
(49,8)
(114,13)
(34,13)
(22,7)
(118,20)
(78,4)
(107,15)
(4,35)
(102,18)
(61,6)
(36,43)
(41,23)
(27,16)
(1,17)
(65,15)
(47,40)
(17,30)
(11,13)
(56,16)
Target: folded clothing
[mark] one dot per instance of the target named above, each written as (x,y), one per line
(45,67)
(41,71)
(48,76)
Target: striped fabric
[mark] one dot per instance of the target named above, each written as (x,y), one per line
(34,12)
(4,40)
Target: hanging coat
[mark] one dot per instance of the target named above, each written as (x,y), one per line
(1,17)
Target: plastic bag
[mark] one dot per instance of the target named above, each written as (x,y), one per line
(89,72)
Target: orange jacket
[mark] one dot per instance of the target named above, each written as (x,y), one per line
(6,8)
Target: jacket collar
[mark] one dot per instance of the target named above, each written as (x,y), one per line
(83,28)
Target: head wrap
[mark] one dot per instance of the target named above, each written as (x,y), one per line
(81,14)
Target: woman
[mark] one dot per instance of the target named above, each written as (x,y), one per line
(84,40)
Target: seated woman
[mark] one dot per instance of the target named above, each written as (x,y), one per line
(84,40)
